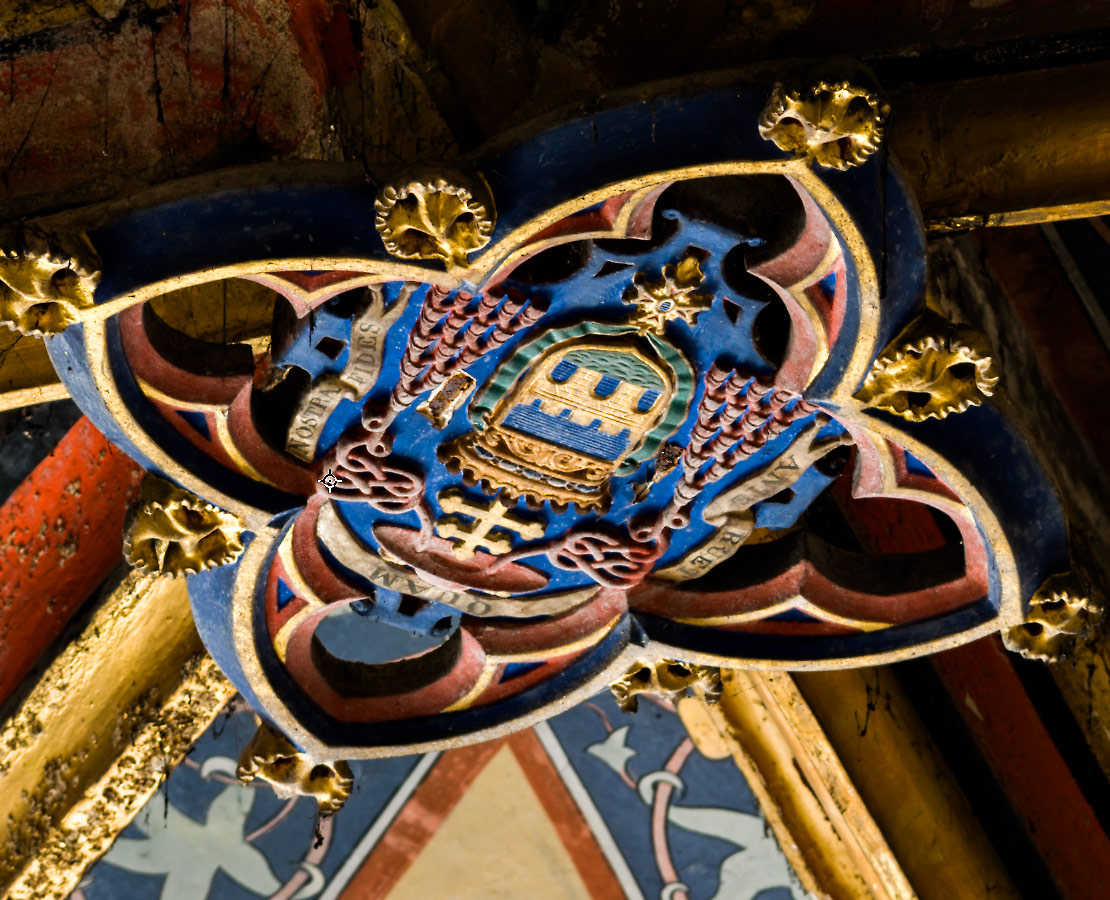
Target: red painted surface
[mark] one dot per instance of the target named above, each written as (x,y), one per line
(884,525)
(166,377)
(327,46)
(418,820)
(1066,347)
(205,84)
(981,679)
(61,534)
(280,469)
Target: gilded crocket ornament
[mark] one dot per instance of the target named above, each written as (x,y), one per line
(45,279)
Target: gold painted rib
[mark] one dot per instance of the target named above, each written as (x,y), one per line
(818,816)
(1084,683)
(98,733)
(1010,149)
(26,374)
(906,785)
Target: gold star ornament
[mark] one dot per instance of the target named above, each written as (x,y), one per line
(672,297)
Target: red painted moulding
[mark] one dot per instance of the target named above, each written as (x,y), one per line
(984,686)
(61,534)
(1064,343)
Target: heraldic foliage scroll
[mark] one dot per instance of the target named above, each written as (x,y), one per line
(463,445)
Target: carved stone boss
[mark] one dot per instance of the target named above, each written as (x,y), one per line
(632,389)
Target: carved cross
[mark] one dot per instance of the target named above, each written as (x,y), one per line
(480,532)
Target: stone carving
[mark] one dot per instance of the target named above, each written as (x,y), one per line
(435,214)
(445,340)
(667,678)
(672,297)
(367,346)
(736,417)
(480,531)
(1060,614)
(44,282)
(172,532)
(272,757)
(933,368)
(731,512)
(568,412)
(637,471)
(610,560)
(837,123)
(383,484)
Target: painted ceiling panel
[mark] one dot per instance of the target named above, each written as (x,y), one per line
(595,804)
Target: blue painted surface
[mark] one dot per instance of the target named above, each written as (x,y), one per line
(210,593)
(717,838)
(590,439)
(515,670)
(197,421)
(305,348)
(284,595)
(606,385)
(587,295)
(346,634)
(563,371)
(70,359)
(200,233)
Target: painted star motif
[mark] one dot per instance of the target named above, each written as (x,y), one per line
(189,853)
(614,751)
(673,297)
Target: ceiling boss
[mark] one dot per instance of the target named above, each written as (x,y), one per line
(444,454)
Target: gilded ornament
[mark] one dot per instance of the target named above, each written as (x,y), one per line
(933,368)
(667,678)
(1060,614)
(172,532)
(271,757)
(836,122)
(672,297)
(44,283)
(435,214)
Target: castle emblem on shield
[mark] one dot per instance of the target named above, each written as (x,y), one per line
(595,402)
